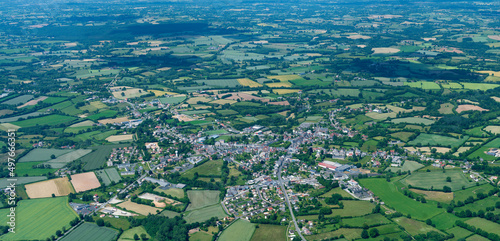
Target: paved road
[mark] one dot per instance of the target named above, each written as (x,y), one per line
(288,203)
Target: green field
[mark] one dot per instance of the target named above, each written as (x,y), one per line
(203,214)
(414,227)
(90,231)
(351,209)
(18,100)
(168,213)
(369,220)
(349,234)
(209,168)
(461,195)
(240,230)
(103,115)
(423,85)
(269,232)
(21,180)
(437,179)
(129,234)
(174,192)
(394,199)
(108,175)
(97,157)
(62,160)
(219,82)
(480,204)
(413,120)
(486,225)
(26,168)
(445,220)
(407,166)
(459,232)
(54,100)
(200,236)
(437,140)
(202,198)
(43,154)
(39,218)
(404,136)
(50,120)
(172,100)
(480,153)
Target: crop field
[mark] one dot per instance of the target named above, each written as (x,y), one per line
(50,120)
(349,234)
(444,197)
(138,208)
(370,220)
(90,231)
(174,192)
(172,100)
(209,168)
(58,187)
(219,82)
(479,86)
(451,85)
(394,199)
(385,50)
(26,169)
(22,180)
(38,219)
(248,82)
(43,154)
(103,115)
(437,179)
(493,129)
(18,100)
(285,91)
(404,136)
(486,225)
(461,195)
(241,230)
(480,204)
(86,123)
(97,158)
(459,233)
(200,236)
(223,102)
(129,93)
(197,99)
(115,120)
(446,108)
(337,92)
(129,234)
(117,138)
(270,232)
(85,181)
(413,120)
(437,140)
(415,227)
(203,214)
(168,213)
(423,85)
(462,108)
(381,116)
(54,100)
(407,166)
(108,175)
(64,159)
(202,198)
(15,118)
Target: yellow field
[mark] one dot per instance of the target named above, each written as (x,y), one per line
(493,129)
(494,73)
(58,187)
(7,126)
(285,91)
(119,138)
(115,120)
(158,92)
(195,100)
(248,82)
(384,50)
(223,102)
(83,124)
(138,208)
(435,195)
(279,84)
(428,150)
(98,104)
(496,99)
(129,92)
(284,78)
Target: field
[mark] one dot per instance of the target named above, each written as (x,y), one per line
(97,158)
(435,195)
(128,93)
(50,120)
(90,231)
(459,233)
(38,219)
(493,129)
(202,198)
(462,108)
(404,136)
(480,205)
(351,209)
(269,232)
(168,213)
(108,175)
(86,123)
(15,118)
(18,100)
(369,220)
(437,140)
(349,234)
(394,199)
(200,236)
(407,166)
(414,227)
(385,50)
(42,154)
(85,181)
(22,180)
(174,192)
(461,195)
(117,138)
(219,82)
(138,208)
(486,225)
(129,234)
(58,187)
(285,91)
(203,214)
(26,168)
(437,179)
(413,120)
(240,230)
(479,86)
(446,108)
(209,168)
(64,159)
(249,83)
(481,151)
(172,100)
(103,114)
(114,120)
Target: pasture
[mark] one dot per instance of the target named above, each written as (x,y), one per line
(103,115)
(38,219)
(85,181)
(446,108)
(109,175)
(219,82)
(404,136)
(200,236)
(407,166)
(413,120)
(437,140)
(174,192)
(26,168)
(480,204)
(461,195)
(43,154)
(285,91)
(50,120)
(18,100)
(98,157)
(437,179)
(138,208)
(415,227)
(64,159)
(389,194)
(349,234)
(444,197)
(129,234)
(172,100)
(369,220)
(486,225)
(459,233)
(58,187)
(4,182)
(493,129)
(269,232)
(90,231)
(203,214)
(240,230)
(209,168)
(202,198)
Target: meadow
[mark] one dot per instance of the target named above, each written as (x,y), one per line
(415,227)
(129,234)
(269,232)
(103,115)
(240,230)
(369,220)
(97,157)
(437,140)
(202,198)
(437,179)
(205,213)
(38,219)
(407,166)
(50,120)
(461,195)
(43,154)
(349,234)
(413,120)
(209,168)
(90,231)
(394,199)
(486,225)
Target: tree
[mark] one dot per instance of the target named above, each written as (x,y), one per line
(136,237)
(446,189)
(58,233)
(144,237)
(365,234)
(325,211)
(100,222)
(448,179)
(374,232)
